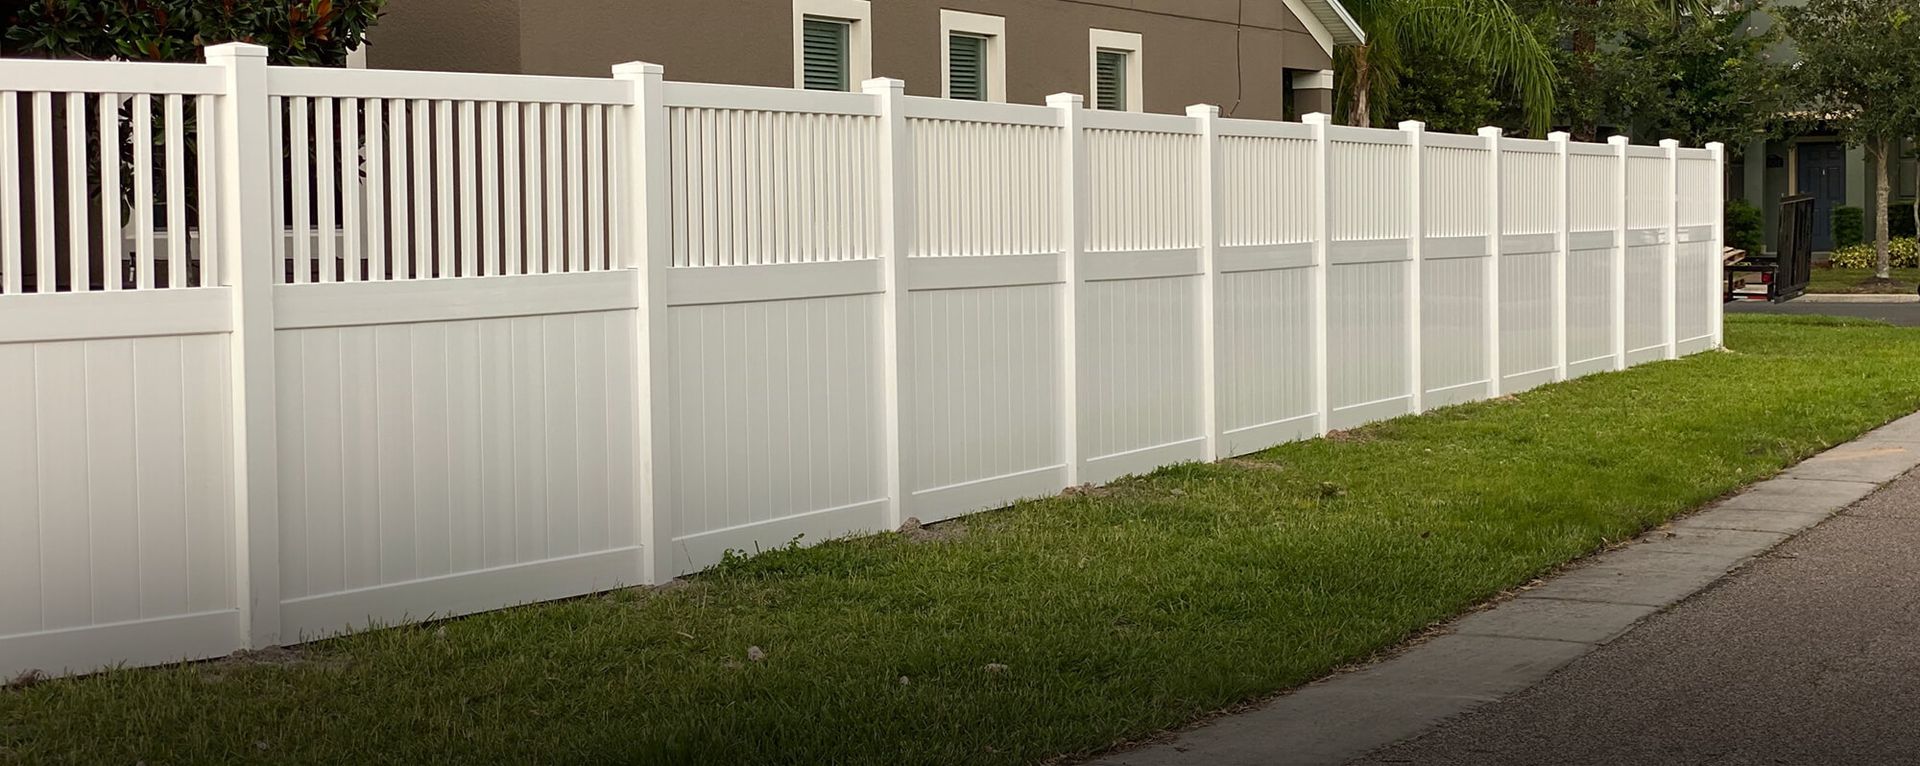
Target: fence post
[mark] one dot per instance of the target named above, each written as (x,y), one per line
(1715,298)
(1416,241)
(896,234)
(1073,186)
(1619,262)
(1322,236)
(1670,261)
(246,203)
(646,243)
(1562,247)
(1211,216)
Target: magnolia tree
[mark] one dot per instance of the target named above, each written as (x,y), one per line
(1860,69)
(295,32)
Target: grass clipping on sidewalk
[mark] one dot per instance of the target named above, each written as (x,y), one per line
(1058,627)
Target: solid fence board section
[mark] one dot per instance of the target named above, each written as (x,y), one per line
(448,449)
(775,418)
(1139,388)
(983,369)
(1454,307)
(1266,348)
(117,533)
(533,337)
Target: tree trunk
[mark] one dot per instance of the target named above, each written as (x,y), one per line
(1360,108)
(1882,267)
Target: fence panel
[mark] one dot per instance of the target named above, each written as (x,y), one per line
(1266,287)
(1648,209)
(1698,284)
(1529,193)
(1139,302)
(774,321)
(982,339)
(527,338)
(1368,316)
(116,535)
(1455,255)
(1594,213)
(454,344)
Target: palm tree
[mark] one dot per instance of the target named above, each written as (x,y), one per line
(1486,31)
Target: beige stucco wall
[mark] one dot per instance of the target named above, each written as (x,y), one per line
(1190,45)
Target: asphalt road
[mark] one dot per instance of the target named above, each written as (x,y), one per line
(1903,314)
(1811,655)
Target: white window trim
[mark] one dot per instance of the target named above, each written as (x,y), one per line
(859,17)
(994,28)
(1318,79)
(1107,39)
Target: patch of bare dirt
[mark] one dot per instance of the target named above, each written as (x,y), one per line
(25,680)
(1089,490)
(915,532)
(215,671)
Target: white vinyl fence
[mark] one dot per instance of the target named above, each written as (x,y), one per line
(294,351)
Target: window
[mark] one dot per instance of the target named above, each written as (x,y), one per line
(967,67)
(1110,80)
(974,56)
(1115,61)
(832,47)
(823,55)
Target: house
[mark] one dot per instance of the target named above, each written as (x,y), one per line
(1259,59)
(1816,160)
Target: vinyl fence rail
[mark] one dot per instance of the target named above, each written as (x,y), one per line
(286,352)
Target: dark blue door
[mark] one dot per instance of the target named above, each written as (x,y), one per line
(1823,176)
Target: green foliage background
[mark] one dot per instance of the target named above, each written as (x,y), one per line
(1648,70)
(296,32)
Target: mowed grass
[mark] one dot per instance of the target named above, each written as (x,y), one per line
(1821,280)
(1107,616)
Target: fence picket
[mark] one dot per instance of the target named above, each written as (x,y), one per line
(143,224)
(11,230)
(300,180)
(324,168)
(77,224)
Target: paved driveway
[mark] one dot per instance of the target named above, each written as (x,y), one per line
(1903,314)
(1809,655)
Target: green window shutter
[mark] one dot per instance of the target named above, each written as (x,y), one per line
(823,53)
(1110,80)
(967,67)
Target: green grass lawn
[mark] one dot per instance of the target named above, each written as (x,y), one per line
(1848,281)
(1106,616)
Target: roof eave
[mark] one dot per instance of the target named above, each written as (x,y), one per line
(1340,24)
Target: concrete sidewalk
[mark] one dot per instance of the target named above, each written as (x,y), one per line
(1499,652)
(1811,654)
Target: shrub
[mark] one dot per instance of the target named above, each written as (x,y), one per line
(296,32)
(1849,226)
(1904,252)
(1745,226)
